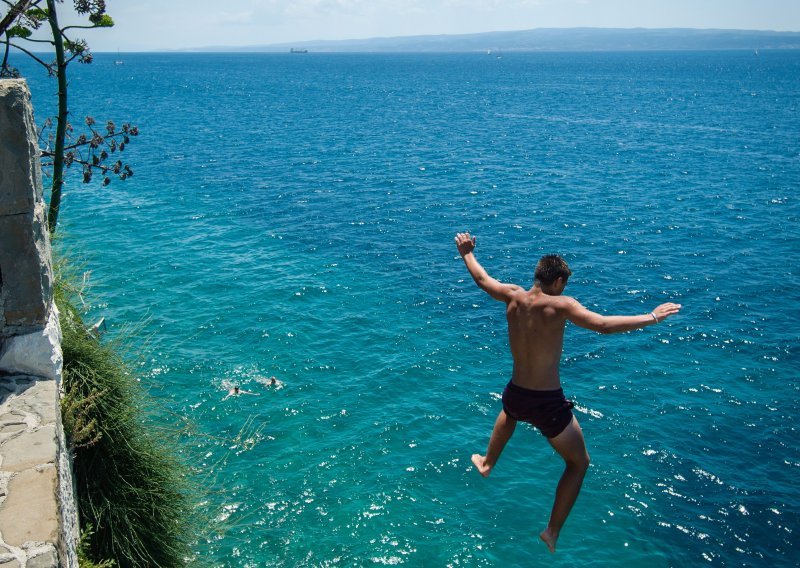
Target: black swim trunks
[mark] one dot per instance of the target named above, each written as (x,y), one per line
(548,410)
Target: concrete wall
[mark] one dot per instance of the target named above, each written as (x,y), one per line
(38,514)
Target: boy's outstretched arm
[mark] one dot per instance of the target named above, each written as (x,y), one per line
(582,317)
(495,288)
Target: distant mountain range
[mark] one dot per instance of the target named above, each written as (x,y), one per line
(547,39)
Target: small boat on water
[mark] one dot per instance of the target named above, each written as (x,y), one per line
(295,50)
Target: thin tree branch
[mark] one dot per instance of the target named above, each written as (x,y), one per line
(61,124)
(13,14)
(103,169)
(79,28)
(49,66)
(5,55)
(37,40)
(88,141)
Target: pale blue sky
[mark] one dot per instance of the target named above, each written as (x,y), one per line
(173,24)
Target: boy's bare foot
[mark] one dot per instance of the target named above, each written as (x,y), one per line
(479,462)
(549,537)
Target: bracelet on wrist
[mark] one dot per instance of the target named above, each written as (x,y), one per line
(655,318)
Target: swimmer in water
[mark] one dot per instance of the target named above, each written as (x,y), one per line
(270,382)
(236,391)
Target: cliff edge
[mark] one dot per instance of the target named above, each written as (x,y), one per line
(38,515)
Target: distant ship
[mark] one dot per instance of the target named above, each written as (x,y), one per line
(294,50)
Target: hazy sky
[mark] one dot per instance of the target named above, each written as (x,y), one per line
(171,24)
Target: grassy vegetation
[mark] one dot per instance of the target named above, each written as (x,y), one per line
(133,491)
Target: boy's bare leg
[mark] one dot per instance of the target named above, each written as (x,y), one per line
(501,434)
(571,446)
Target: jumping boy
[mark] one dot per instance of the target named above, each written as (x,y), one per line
(536,320)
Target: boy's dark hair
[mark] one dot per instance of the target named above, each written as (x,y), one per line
(549,268)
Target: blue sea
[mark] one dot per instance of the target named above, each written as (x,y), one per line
(294,215)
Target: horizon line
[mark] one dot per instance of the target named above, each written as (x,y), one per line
(286,44)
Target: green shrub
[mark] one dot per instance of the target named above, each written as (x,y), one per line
(83,556)
(132,489)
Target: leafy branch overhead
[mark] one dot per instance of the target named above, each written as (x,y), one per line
(64,147)
(92,151)
(26,16)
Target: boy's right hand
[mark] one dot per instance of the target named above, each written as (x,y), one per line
(465,243)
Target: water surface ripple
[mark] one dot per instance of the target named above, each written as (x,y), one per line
(294,216)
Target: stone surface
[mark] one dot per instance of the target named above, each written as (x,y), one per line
(34,470)
(38,512)
(29,449)
(37,353)
(30,490)
(11,428)
(46,559)
(28,475)
(67,504)
(26,271)
(26,275)
(19,150)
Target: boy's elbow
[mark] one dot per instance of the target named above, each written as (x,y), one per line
(603,327)
(482,282)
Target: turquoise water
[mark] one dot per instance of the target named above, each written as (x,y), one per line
(294,216)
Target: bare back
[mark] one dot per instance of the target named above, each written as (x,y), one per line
(536,337)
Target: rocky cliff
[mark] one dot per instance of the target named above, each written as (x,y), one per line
(38,516)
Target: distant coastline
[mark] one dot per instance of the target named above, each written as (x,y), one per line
(543,39)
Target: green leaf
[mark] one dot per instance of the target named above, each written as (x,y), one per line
(78,47)
(18,31)
(102,20)
(37,14)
